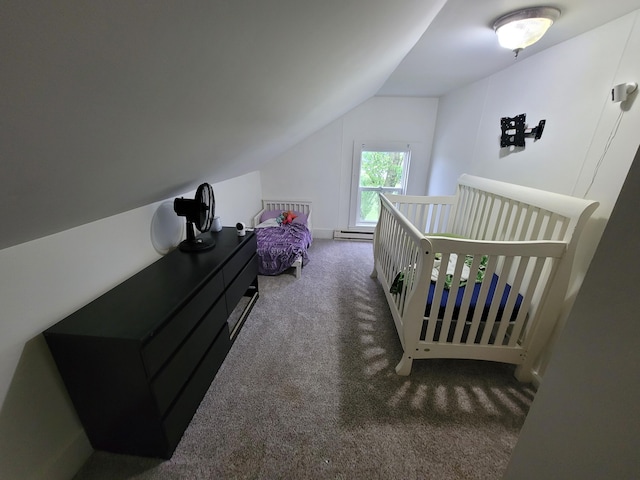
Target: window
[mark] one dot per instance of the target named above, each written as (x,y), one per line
(377,168)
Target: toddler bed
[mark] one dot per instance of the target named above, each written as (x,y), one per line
(482,274)
(283,231)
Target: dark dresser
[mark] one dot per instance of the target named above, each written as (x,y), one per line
(138,360)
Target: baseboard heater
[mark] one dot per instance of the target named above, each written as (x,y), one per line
(352,235)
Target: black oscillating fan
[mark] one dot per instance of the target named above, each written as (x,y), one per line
(199,212)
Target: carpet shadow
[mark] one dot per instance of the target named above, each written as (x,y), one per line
(437,392)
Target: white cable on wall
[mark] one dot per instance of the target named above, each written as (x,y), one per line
(612,135)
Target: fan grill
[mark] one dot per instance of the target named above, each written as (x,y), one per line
(199,213)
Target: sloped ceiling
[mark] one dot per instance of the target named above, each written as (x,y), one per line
(111,105)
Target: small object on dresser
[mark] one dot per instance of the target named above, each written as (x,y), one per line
(241,229)
(216,225)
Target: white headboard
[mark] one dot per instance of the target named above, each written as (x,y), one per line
(301,206)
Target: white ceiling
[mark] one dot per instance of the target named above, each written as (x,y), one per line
(460,47)
(111,105)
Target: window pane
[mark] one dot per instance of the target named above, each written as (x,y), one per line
(381,169)
(369,206)
(377,170)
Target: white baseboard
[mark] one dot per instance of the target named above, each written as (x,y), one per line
(352,235)
(329,234)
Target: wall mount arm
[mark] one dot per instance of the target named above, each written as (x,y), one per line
(535,132)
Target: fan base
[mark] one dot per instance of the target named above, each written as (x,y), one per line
(197,245)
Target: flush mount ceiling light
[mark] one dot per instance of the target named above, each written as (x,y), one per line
(519,29)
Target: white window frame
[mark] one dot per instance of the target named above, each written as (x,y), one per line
(377,146)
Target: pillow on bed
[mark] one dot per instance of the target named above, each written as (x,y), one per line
(269,222)
(300,217)
(270,214)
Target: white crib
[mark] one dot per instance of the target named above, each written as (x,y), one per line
(522,239)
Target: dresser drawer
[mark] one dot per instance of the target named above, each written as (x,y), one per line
(237,262)
(241,283)
(176,372)
(181,413)
(163,343)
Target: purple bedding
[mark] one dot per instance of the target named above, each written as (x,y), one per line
(278,247)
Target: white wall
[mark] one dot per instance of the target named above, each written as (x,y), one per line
(45,280)
(320,167)
(568,86)
(584,421)
(238,199)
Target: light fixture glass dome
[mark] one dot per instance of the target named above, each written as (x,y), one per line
(520,29)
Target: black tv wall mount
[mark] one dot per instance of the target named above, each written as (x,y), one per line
(514,130)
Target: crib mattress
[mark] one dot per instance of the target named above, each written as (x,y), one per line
(472,307)
(474,300)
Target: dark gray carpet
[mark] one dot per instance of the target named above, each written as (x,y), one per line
(309,391)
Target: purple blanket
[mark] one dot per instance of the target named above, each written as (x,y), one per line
(278,247)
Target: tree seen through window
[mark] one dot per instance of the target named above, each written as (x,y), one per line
(378,170)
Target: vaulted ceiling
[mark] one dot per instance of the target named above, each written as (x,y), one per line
(111,105)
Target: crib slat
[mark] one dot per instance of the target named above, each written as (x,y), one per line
(557,226)
(515,222)
(482,299)
(497,296)
(461,211)
(526,304)
(536,227)
(523,263)
(524,224)
(466,301)
(503,228)
(486,221)
(479,216)
(471,212)
(406,284)
(453,292)
(494,306)
(433,310)
(431,212)
(493,229)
